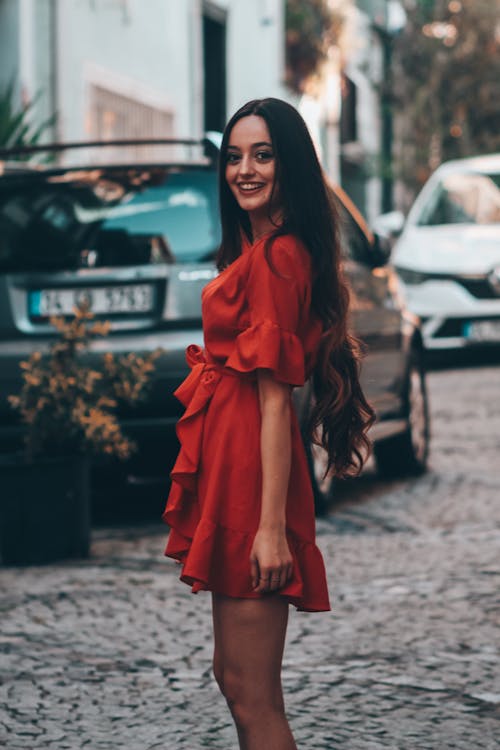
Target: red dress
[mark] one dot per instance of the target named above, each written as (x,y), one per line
(252,318)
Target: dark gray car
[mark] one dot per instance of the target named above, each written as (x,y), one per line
(137,241)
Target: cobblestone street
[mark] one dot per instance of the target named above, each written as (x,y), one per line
(114,653)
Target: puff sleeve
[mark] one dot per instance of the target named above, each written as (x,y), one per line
(276,302)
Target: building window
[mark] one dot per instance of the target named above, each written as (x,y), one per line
(114,116)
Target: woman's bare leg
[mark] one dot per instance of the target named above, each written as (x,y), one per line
(249,637)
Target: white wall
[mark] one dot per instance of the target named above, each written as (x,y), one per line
(256,49)
(9,40)
(122,47)
(364,66)
(23,35)
(147,50)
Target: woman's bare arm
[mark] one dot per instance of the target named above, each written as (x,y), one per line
(271,561)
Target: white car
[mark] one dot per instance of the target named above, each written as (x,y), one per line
(448,255)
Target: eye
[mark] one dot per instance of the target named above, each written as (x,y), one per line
(264,155)
(232,158)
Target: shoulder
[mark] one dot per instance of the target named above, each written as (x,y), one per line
(286,254)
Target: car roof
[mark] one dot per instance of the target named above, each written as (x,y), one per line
(196,152)
(17,167)
(487,164)
(482,164)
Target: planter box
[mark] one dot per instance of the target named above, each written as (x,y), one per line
(44,510)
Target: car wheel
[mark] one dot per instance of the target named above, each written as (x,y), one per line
(406,454)
(323,487)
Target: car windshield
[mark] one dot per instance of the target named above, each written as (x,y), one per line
(468,198)
(108,217)
(181,212)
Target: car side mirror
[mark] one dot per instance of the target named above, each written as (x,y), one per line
(390,224)
(380,250)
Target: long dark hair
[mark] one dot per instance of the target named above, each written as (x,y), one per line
(340,416)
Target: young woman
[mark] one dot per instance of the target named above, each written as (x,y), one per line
(241,508)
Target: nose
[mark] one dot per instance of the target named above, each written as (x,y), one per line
(246,165)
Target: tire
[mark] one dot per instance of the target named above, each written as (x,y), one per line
(406,454)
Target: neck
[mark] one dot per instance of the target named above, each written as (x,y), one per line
(263,224)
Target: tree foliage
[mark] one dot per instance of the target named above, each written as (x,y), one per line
(312,26)
(69,406)
(16,128)
(446,84)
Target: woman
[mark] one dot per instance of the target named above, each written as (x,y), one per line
(241,507)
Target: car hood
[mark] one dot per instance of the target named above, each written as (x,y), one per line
(457,249)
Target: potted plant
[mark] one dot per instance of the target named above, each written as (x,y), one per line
(68,408)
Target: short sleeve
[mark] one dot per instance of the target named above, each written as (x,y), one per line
(276,298)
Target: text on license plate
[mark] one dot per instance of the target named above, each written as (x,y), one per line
(483,330)
(129,298)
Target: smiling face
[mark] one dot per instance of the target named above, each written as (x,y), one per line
(251,172)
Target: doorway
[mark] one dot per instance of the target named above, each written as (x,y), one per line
(214,66)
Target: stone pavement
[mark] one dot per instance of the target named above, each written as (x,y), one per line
(113,653)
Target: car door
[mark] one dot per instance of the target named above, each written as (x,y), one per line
(376,316)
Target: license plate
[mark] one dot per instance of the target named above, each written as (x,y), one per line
(130,298)
(483,330)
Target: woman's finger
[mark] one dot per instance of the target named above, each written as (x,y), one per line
(264,584)
(267,580)
(264,580)
(275,580)
(286,574)
(254,572)
(283,577)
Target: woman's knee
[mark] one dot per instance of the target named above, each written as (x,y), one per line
(248,702)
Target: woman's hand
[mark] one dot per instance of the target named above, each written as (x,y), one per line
(271,562)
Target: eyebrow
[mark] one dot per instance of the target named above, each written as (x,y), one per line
(254,145)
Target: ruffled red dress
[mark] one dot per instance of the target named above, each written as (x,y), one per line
(253,317)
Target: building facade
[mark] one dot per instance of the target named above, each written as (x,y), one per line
(129,68)
(178,68)
(365,128)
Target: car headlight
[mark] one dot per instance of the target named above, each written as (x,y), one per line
(409,276)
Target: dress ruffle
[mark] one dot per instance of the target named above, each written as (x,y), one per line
(204,556)
(194,393)
(203,546)
(266,345)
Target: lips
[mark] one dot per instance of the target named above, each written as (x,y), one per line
(250,187)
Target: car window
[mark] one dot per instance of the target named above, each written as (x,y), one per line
(182,212)
(123,218)
(468,198)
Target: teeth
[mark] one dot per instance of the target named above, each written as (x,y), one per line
(248,186)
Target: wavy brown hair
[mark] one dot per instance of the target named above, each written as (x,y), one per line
(341,415)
